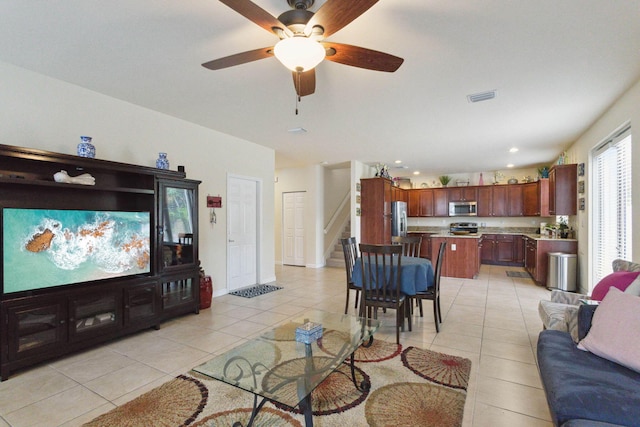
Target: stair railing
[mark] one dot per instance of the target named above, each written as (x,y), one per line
(341,214)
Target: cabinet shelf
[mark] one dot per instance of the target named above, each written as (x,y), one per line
(93,322)
(42,183)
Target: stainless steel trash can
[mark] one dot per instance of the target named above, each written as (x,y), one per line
(562,271)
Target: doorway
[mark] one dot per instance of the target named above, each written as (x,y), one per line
(243,195)
(293,228)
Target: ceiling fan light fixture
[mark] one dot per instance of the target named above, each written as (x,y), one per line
(299,53)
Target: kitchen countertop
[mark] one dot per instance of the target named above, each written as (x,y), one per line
(441,233)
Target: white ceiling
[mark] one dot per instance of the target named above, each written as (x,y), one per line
(556,66)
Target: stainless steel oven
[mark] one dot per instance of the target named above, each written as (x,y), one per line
(463,208)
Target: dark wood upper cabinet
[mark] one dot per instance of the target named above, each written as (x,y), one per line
(375,222)
(531,199)
(466,194)
(563,189)
(485,197)
(399,194)
(515,199)
(420,202)
(492,201)
(440,202)
(413,203)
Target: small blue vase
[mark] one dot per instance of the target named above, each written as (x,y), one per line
(162,162)
(86,148)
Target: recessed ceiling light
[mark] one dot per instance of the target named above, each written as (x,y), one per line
(510,165)
(513,150)
(416,172)
(397,162)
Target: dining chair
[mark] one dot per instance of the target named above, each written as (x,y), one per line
(410,244)
(381,274)
(350,250)
(433,293)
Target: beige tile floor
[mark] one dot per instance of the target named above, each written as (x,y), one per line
(491,320)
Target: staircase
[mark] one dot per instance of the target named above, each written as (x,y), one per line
(336,259)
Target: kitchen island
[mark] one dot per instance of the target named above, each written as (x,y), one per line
(518,248)
(462,256)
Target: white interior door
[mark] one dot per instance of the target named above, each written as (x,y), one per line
(293,228)
(242,202)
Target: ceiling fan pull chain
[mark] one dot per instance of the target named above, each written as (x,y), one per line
(299,73)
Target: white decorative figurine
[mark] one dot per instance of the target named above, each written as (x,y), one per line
(84,179)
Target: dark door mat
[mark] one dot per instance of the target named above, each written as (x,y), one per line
(518,274)
(256,290)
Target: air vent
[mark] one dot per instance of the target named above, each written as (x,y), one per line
(297,130)
(482,96)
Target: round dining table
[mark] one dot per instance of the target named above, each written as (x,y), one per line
(416,274)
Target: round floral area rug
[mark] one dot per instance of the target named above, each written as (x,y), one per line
(408,387)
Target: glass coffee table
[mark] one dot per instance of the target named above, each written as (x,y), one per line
(276,367)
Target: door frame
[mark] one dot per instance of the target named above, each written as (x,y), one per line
(259,216)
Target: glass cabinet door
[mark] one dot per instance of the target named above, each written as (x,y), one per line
(178,291)
(97,312)
(177,222)
(35,327)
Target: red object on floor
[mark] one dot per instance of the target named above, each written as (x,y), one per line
(206,292)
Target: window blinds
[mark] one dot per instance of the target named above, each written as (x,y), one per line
(612,202)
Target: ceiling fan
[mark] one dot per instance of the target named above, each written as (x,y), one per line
(302,45)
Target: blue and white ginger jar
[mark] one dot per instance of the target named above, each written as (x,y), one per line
(162,162)
(86,148)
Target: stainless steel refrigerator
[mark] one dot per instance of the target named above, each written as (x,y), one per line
(399,218)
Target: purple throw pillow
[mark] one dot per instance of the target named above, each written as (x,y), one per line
(618,279)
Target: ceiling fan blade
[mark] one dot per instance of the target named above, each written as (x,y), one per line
(258,15)
(305,82)
(239,58)
(335,14)
(361,57)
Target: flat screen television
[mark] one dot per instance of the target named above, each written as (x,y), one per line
(43,248)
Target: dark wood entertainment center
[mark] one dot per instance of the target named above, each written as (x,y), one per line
(41,324)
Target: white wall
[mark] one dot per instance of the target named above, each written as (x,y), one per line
(41,112)
(626,108)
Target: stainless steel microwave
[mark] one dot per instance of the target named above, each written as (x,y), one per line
(463,208)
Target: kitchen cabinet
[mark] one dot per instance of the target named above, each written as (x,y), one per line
(461,258)
(515,200)
(501,249)
(440,202)
(465,194)
(563,189)
(518,249)
(492,201)
(531,257)
(399,195)
(375,221)
(420,203)
(537,259)
(425,246)
(535,198)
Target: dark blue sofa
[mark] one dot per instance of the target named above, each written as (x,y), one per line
(583,389)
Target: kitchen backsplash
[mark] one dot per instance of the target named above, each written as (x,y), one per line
(509,222)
